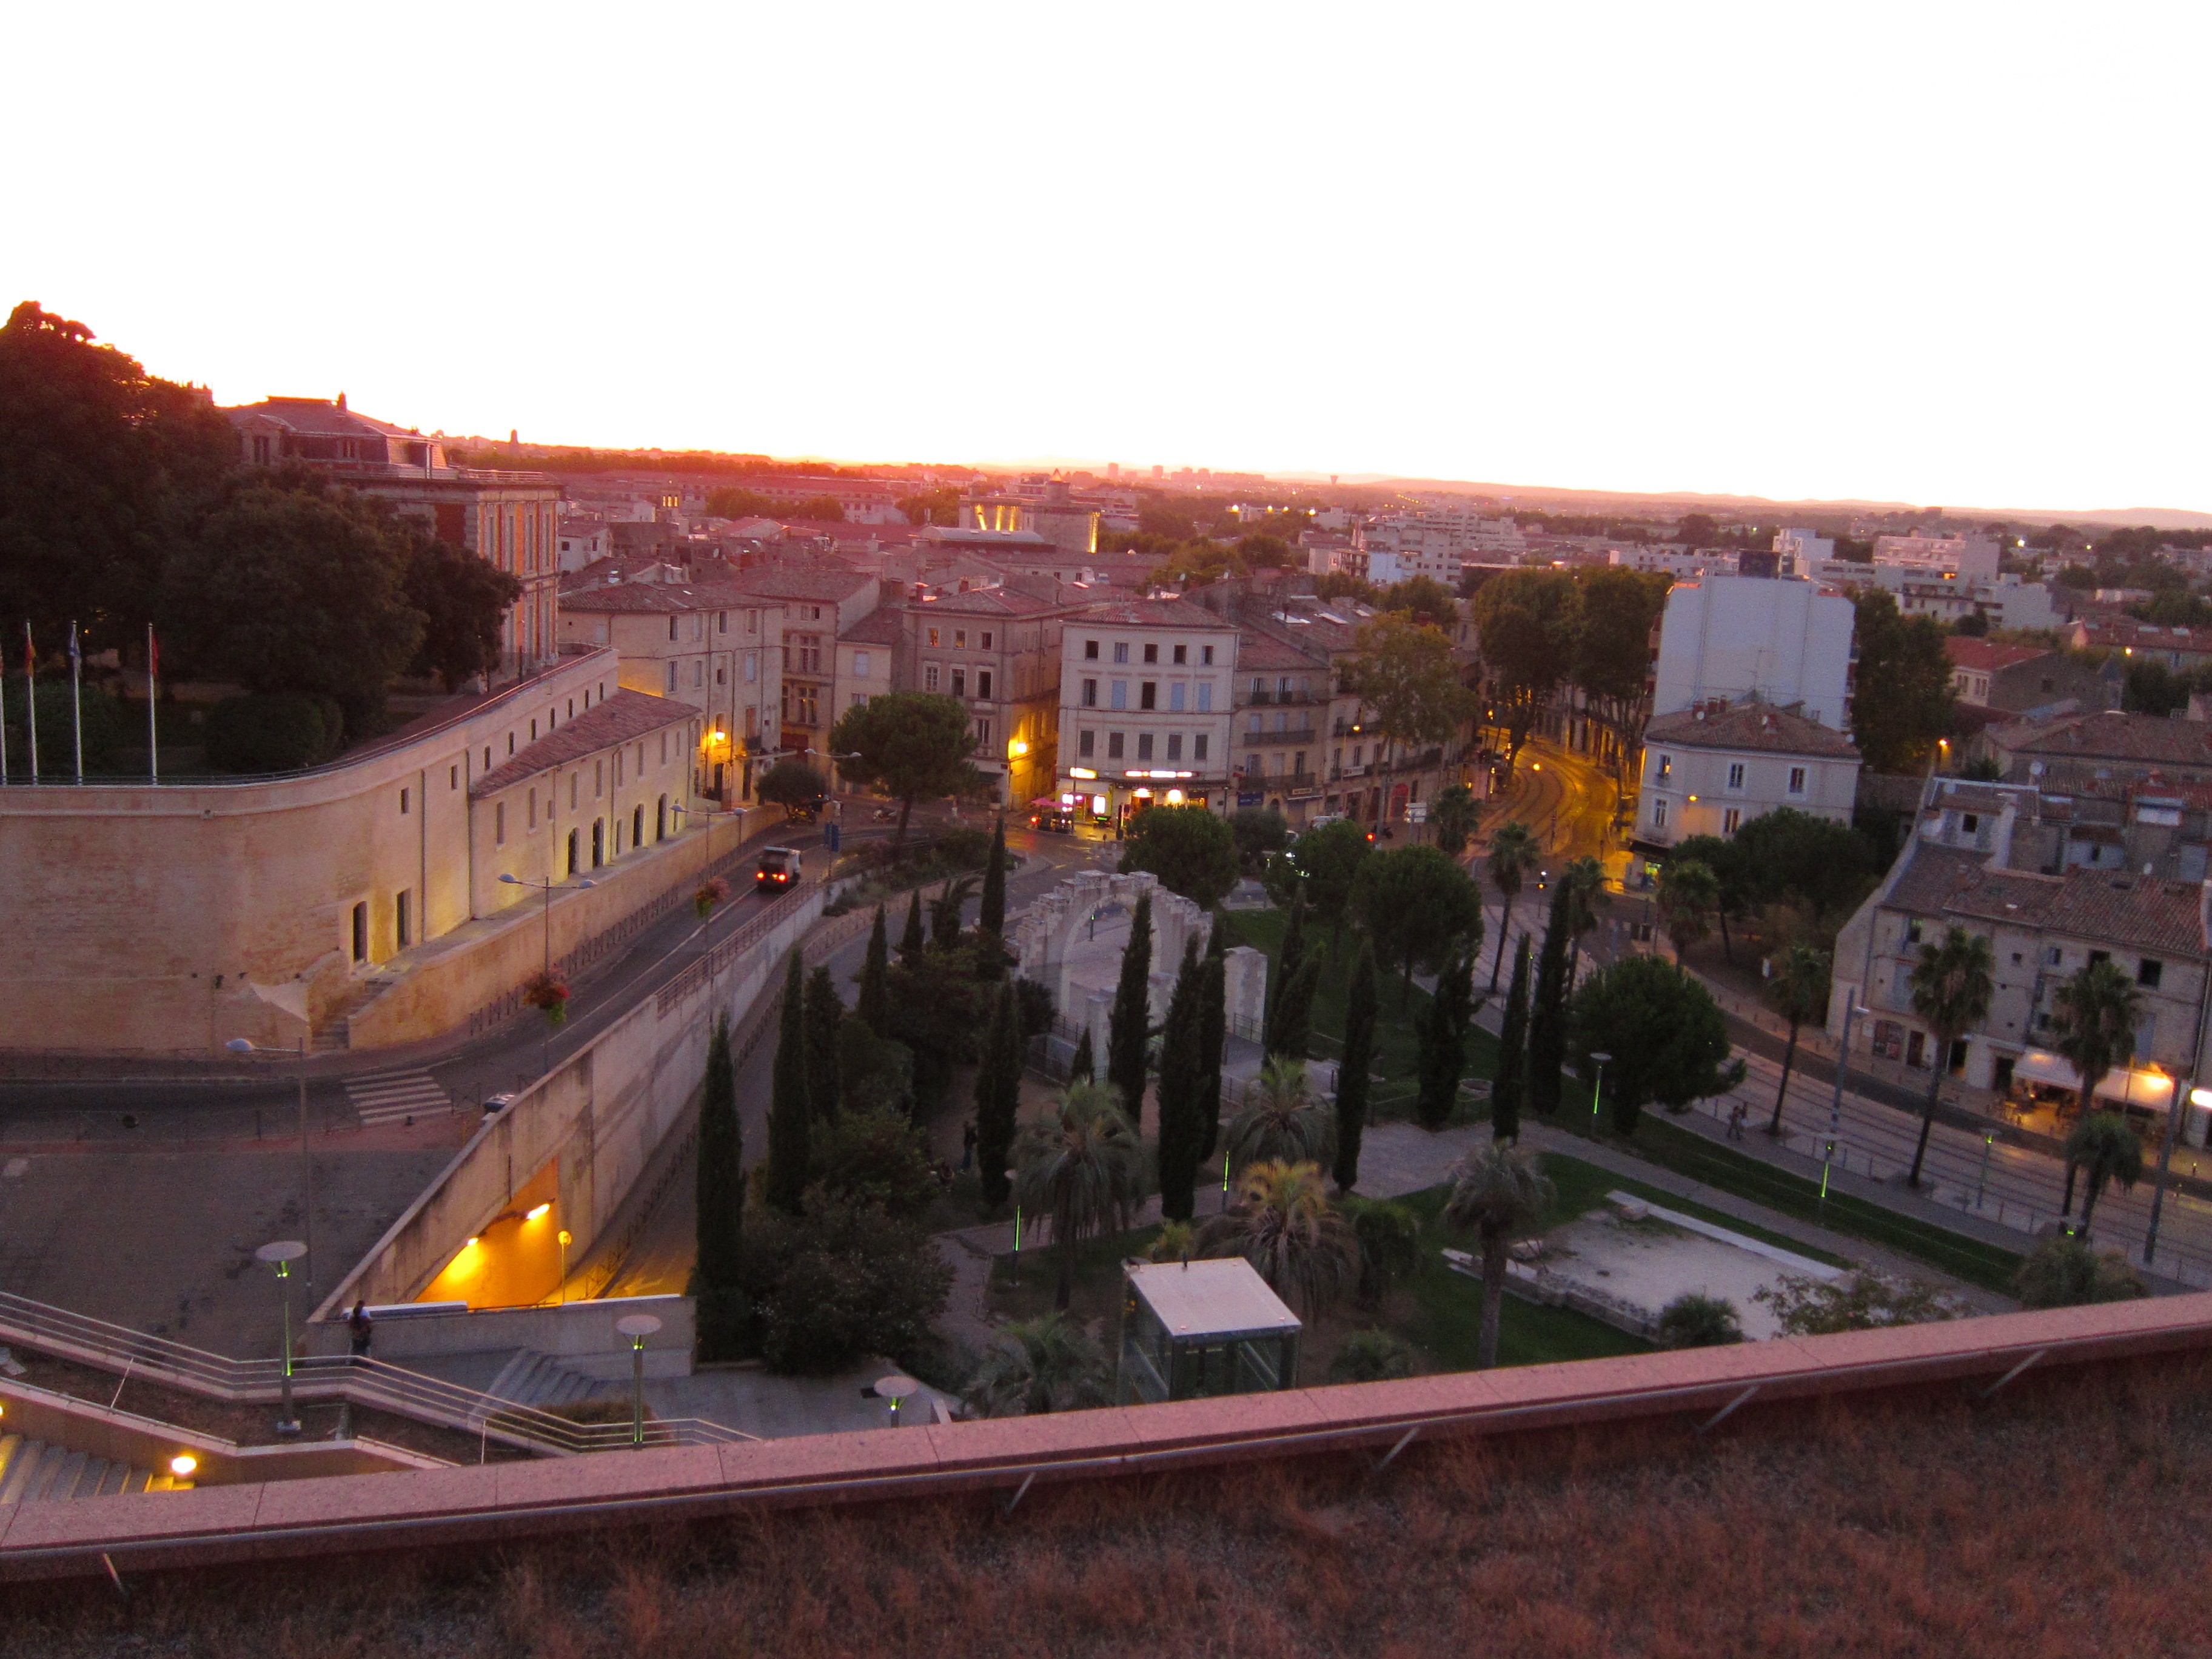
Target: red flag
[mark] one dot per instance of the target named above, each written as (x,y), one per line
(152,654)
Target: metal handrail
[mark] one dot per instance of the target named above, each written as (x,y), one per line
(357,1379)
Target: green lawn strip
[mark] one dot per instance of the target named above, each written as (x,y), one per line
(1686,1152)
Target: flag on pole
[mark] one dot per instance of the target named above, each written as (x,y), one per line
(153,697)
(31,694)
(77,698)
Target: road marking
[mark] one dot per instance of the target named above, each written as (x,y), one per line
(395,1097)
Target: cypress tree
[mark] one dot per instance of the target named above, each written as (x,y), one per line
(874,1006)
(787,1097)
(719,1190)
(1128,1026)
(991,912)
(1214,1033)
(997,1095)
(824,1009)
(1508,1082)
(1085,1067)
(1182,1131)
(1361,999)
(1547,1010)
(1443,1043)
(913,941)
(1282,989)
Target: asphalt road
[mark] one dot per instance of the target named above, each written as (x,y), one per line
(1563,797)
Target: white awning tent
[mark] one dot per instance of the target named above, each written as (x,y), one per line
(2152,1092)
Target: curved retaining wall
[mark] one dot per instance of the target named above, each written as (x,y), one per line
(511,1500)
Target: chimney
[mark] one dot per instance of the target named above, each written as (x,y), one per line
(341,400)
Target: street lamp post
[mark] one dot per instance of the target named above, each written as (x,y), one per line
(281,1255)
(637,1328)
(246,1046)
(510,879)
(1597,1090)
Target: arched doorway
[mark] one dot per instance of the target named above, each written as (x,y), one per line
(598,843)
(572,852)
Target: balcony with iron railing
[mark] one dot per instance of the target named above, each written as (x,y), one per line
(1303,734)
(1279,699)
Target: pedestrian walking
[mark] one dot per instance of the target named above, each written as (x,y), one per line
(967,1147)
(1736,1120)
(360,1328)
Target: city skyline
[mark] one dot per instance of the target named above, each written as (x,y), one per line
(1933,260)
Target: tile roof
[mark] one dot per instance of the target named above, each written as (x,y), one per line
(2126,633)
(1988,655)
(2109,735)
(321,416)
(786,582)
(990,601)
(631,598)
(1755,725)
(1257,650)
(881,626)
(617,719)
(2111,907)
(1150,613)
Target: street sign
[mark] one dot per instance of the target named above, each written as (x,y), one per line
(1418,812)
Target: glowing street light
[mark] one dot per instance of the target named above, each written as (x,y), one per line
(281,1255)
(1597,1090)
(637,1328)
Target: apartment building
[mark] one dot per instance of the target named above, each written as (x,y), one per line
(2021,678)
(997,651)
(1948,555)
(1788,643)
(1145,707)
(716,647)
(820,602)
(2070,751)
(1711,768)
(2012,865)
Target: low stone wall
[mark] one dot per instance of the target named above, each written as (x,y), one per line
(580,1334)
(511,1500)
(595,1118)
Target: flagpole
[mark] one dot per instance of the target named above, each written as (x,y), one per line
(77,698)
(31,693)
(153,696)
(3,717)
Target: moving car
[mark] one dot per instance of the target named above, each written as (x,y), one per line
(780,868)
(1052,816)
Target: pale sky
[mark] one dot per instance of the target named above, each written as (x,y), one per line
(1944,253)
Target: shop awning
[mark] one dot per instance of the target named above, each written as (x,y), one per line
(2152,1091)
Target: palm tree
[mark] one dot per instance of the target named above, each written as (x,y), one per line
(1083,1165)
(1798,991)
(2099,1010)
(1952,985)
(944,910)
(1282,1225)
(1513,854)
(1039,1365)
(1281,1118)
(2104,1148)
(1688,894)
(1587,900)
(1497,1192)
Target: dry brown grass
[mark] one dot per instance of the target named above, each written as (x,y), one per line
(2067,1518)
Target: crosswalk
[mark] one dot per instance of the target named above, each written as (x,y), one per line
(396,1097)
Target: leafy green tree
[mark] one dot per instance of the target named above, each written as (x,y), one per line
(1405,673)
(2105,1150)
(1083,1165)
(1688,897)
(788,1106)
(1443,1029)
(1181,1129)
(1258,831)
(874,1157)
(1666,1039)
(1361,1001)
(1526,620)
(2064,1271)
(1454,814)
(1514,851)
(1951,986)
(791,782)
(1860,1301)
(1788,857)
(1797,990)
(718,1192)
(2098,1009)
(1904,700)
(1212,1033)
(1424,598)
(295,591)
(1280,1118)
(1193,852)
(1614,614)
(945,911)
(1583,883)
(1695,1320)
(463,600)
(998,1096)
(939,1011)
(907,745)
(874,1004)
(1389,1237)
(1496,1194)
(1373,1357)
(1696,530)
(1417,906)
(732,502)
(1736,888)
(1508,1082)
(825,1013)
(842,1281)
(1128,1024)
(1547,1008)
(1281,1223)
(1037,1365)
(825,509)
(1326,863)
(107,469)
(875,1074)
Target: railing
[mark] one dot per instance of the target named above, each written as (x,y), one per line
(355,1379)
(1303,734)
(1283,699)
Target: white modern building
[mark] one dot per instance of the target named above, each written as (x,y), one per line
(1799,551)
(1941,556)
(1710,769)
(1788,643)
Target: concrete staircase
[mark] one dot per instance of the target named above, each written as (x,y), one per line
(536,1379)
(332,1034)
(33,1470)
